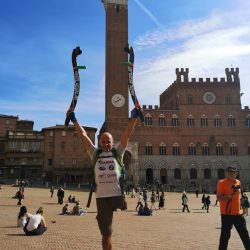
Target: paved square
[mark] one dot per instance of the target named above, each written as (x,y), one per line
(168,229)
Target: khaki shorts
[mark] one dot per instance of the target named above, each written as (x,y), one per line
(105,209)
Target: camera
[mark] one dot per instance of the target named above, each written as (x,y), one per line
(236,188)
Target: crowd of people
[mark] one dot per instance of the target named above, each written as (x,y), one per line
(233,201)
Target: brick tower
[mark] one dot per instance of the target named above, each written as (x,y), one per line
(116,82)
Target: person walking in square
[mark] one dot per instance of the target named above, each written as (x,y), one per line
(197,192)
(152,199)
(207,202)
(60,195)
(203,201)
(145,195)
(162,201)
(228,194)
(51,191)
(139,201)
(245,204)
(20,196)
(185,202)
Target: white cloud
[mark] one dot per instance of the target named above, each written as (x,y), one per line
(205,46)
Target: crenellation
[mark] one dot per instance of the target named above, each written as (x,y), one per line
(193,80)
(222,80)
(232,76)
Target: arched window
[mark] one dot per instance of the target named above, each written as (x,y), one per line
(219,149)
(174,121)
(162,120)
(148,120)
(221,173)
(193,173)
(162,149)
(176,149)
(149,148)
(217,121)
(231,122)
(205,149)
(248,121)
(191,149)
(190,121)
(204,121)
(177,173)
(207,173)
(233,149)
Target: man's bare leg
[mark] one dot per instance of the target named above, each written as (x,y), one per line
(106,242)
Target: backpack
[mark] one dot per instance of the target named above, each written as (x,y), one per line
(119,159)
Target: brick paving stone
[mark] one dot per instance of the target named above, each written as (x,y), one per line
(167,229)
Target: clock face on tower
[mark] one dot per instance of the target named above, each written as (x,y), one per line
(118,100)
(209,97)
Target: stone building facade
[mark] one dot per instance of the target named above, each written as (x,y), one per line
(197,130)
(65,160)
(54,154)
(21,149)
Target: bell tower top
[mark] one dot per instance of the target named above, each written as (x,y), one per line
(125,2)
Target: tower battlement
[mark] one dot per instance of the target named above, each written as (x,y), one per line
(232,76)
(182,74)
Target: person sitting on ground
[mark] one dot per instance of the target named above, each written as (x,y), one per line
(140,210)
(65,210)
(145,210)
(70,198)
(22,217)
(73,200)
(77,210)
(36,224)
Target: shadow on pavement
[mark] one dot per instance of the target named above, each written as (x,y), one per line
(16,234)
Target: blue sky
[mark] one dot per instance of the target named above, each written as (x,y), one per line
(37,38)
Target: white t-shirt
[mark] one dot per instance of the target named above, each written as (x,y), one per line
(107,172)
(34,221)
(22,221)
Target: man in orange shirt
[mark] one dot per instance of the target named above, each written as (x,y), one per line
(228,194)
